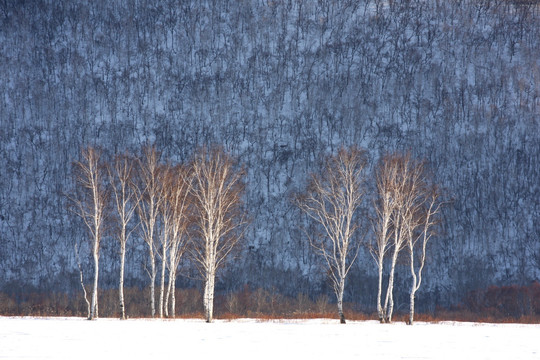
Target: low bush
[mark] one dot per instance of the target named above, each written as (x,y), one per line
(494,304)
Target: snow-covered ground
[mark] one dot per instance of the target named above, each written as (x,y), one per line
(73,338)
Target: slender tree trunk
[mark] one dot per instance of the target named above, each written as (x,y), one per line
(162,287)
(172,276)
(173,299)
(379,291)
(411,306)
(167,296)
(340,292)
(209,296)
(414,287)
(389,301)
(121,285)
(152,284)
(81,279)
(94,305)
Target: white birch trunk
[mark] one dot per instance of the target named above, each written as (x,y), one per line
(209,297)
(340,292)
(81,279)
(381,251)
(121,284)
(389,302)
(152,283)
(94,305)
(380,312)
(173,300)
(168,295)
(162,286)
(414,287)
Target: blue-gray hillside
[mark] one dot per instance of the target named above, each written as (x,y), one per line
(279,84)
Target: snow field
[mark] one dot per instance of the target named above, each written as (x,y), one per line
(75,338)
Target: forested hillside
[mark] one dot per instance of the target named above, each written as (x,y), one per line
(279,84)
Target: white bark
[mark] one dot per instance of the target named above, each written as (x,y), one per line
(209,295)
(121,283)
(173,300)
(94,305)
(389,301)
(414,288)
(340,292)
(152,280)
(164,246)
(170,284)
(381,247)
(175,254)
(380,312)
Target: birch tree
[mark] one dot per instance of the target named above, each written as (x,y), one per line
(384,208)
(179,201)
(126,201)
(332,200)
(399,185)
(167,219)
(149,192)
(89,203)
(217,189)
(427,220)
(404,172)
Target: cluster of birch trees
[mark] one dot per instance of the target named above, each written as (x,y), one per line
(406,207)
(196,208)
(177,209)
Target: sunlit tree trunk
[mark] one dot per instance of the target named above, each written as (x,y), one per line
(164,246)
(94,313)
(414,287)
(389,300)
(341,290)
(209,294)
(152,280)
(121,283)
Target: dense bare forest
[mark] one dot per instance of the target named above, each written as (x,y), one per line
(280,85)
